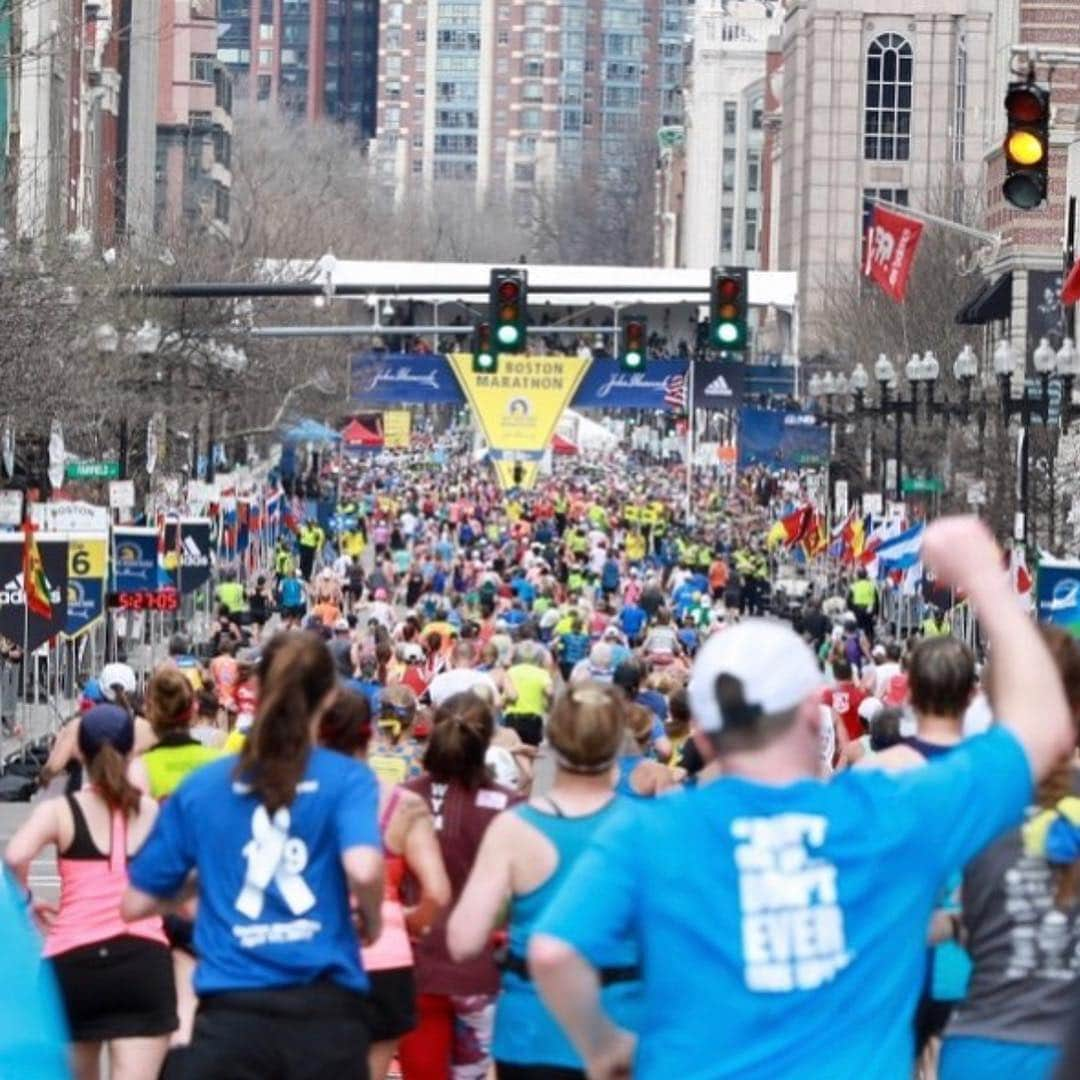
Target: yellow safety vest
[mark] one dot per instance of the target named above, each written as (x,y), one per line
(863,593)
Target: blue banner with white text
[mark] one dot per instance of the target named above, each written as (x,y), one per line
(390,379)
(606,386)
(782,440)
(135,560)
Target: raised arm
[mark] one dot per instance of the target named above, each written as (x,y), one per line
(1026,689)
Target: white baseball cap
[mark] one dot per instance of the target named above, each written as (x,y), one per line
(116,675)
(774,666)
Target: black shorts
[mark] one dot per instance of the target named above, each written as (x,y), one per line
(120,988)
(506,1071)
(297,1033)
(297,612)
(391,1003)
(529,727)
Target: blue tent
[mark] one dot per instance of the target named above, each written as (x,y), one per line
(310,431)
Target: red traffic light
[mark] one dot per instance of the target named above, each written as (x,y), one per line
(727,288)
(1026,104)
(635,334)
(509,291)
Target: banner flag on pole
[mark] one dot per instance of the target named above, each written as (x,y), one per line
(890,250)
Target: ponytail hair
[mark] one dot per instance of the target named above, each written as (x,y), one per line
(295,675)
(460,736)
(170,701)
(107,770)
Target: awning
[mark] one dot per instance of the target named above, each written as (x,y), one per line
(559,445)
(355,434)
(992,302)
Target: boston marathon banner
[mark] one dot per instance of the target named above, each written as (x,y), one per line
(87,563)
(518,406)
(16,624)
(135,560)
(380,379)
(607,386)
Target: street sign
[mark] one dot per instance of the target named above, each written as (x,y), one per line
(872,503)
(977,494)
(922,485)
(93,470)
(840,499)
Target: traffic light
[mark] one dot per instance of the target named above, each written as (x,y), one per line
(485,360)
(728,307)
(509,296)
(519,474)
(1027,107)
(634,345)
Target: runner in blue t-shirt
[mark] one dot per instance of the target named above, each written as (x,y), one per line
(279,839)
(787,902)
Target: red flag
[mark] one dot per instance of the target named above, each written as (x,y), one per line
(1070,291)
(890,250)
(35,584)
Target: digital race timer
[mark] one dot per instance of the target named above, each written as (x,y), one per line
(146,600)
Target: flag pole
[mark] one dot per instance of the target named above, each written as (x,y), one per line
(690,436)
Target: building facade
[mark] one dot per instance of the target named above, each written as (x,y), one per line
(515,95)
(879,99)
(194,121)
(312,58)
(725,139)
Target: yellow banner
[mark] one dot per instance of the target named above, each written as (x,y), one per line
(86,584)
(397,429)
(504,470)
(518,406)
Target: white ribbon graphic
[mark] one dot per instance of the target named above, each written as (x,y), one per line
(273,856)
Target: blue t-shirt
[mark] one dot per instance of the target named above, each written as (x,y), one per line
(33,1034)
(370,689)
(292,592)
(781,909)
(632,620)
(270,914)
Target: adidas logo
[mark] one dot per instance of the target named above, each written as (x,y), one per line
(14,593)
(193,554)
(719,387)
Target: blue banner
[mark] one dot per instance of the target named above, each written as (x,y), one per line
(606,386)
(135,560)
(1057,589)
(393,379)
(85,604)
(770,379)
(782,440)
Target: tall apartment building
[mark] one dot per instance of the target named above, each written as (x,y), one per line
(879,99)
(313,58)
(194,120)
(512,95)
(724,163)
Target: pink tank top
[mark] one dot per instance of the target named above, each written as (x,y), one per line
(91,887)
(392,949)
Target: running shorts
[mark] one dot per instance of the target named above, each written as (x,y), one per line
(391,1003)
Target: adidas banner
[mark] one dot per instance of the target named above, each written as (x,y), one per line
(719,385)
(187,565)
(15,624)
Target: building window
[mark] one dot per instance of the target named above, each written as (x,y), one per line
(534,14)
(532,91)
(731,114)
(887,115)
(757,113)
(727,171)
(899,196)
(530,120)
(262,87)
(524,172)
(534,41)
(751,228)
(503,37)
(221,203)
(753,170)
(960,99)
(202,67)
(727,228)
(266,32)
(266,57)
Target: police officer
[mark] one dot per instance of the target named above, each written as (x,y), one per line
(311,541)
(935,624)
(863,602)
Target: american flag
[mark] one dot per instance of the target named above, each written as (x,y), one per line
(675,392)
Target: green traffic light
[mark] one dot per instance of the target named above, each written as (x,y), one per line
(727,333)
(634,359)
(508,334)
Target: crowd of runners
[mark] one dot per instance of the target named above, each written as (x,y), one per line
(539,786)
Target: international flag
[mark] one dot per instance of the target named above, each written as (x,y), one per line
(816,539)
(35,583)
(854,538)
(793,528)
(675,392)
(901,552)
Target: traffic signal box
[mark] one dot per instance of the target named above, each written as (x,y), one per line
(634,340)
(728,308)
(1027,108)
(508,305)
(485,360)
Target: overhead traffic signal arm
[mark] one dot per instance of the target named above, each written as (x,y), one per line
(1027,144)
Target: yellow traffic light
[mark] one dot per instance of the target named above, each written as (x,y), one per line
(1025,148)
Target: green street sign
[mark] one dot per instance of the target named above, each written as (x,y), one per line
(93,470)
(922,485)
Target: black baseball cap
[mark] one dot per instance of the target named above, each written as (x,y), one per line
(106,724)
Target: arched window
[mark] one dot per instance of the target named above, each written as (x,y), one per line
(887,115)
